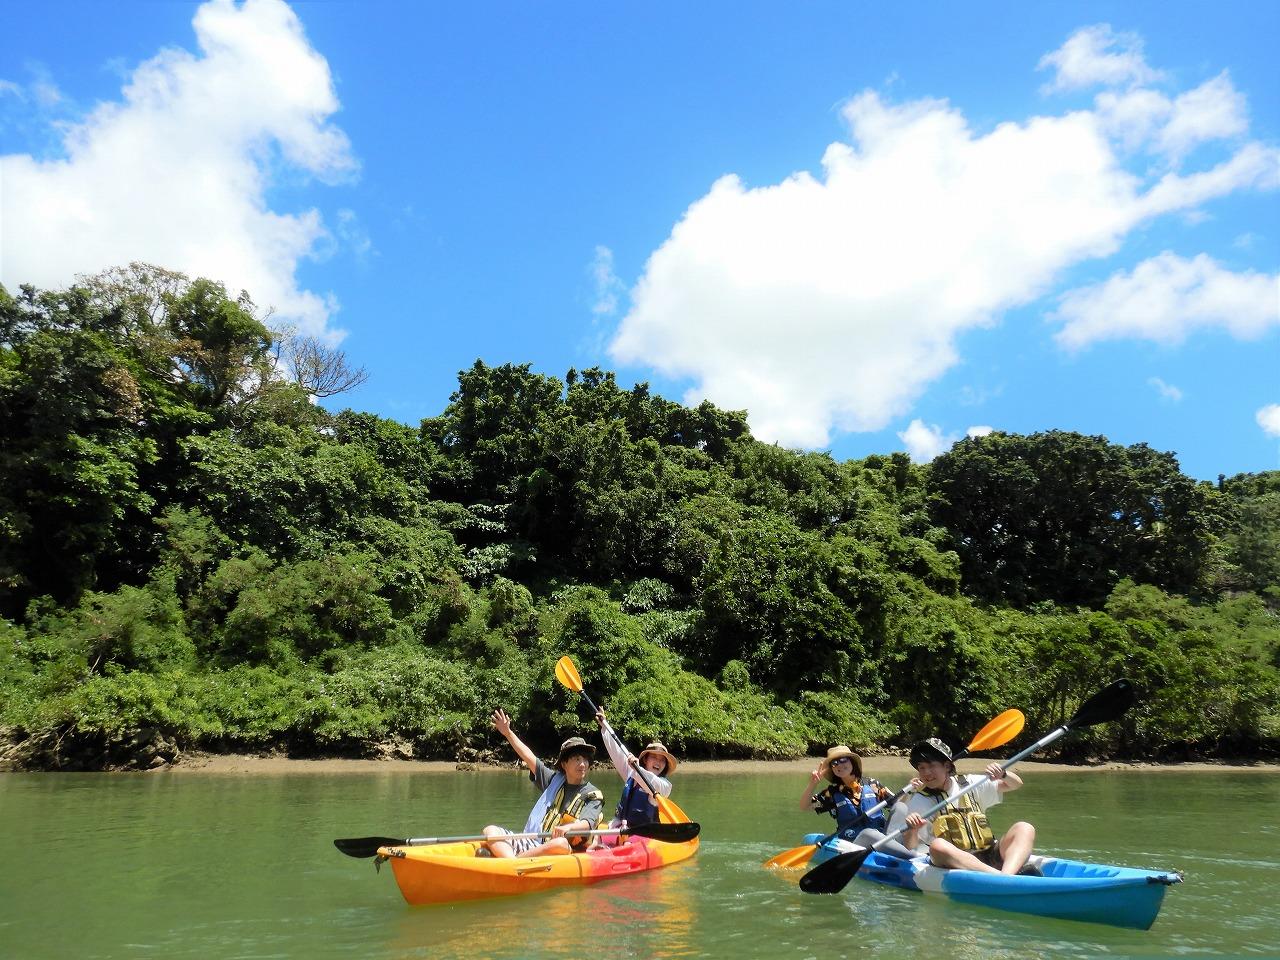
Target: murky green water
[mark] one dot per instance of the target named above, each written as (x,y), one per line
(231,866)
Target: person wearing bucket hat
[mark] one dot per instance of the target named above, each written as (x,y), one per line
(568,800)
(847,795)
(642,783)
(959,836)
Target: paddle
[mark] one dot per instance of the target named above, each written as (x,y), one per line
(1107,704)
(364,847)
(568,676)
(996,733)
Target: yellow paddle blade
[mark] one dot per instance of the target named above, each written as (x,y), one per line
(795,857)
(567,674)
(999,731)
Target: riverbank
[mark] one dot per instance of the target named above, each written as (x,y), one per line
(896,767)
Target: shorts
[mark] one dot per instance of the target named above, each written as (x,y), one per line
(520,844)
(990,856)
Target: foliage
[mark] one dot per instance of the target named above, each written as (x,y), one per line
(189,545)
(1063,517)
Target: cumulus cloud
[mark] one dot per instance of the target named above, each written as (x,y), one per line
(1269,419)
(176,170)
(1167,298)
(833,301)
(1097,56)
(924,441)
(979,431)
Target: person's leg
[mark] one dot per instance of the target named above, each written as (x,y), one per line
(497,846)
(1015,846)
(870,836)
(944,853)
(557,846)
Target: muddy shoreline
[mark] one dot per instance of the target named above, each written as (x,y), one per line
(196,763)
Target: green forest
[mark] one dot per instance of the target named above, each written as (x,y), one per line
(196,555)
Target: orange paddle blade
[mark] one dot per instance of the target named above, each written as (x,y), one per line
(669,812)
(999,731)
(795,857)
(567,674)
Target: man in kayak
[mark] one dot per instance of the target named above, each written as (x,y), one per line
(847,796)
(641,784)
(959,836)
(568,801)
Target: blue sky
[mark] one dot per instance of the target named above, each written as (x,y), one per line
(876,230)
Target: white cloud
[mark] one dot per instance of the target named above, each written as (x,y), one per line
(925,441)
(1165,299)
(1269,419)
(1167,391)
(1212,111)
(608,288)
(833,301)
(979,431)
(1095,56)
(176,171)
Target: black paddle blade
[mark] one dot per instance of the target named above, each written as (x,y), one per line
(365,847)
(1109,703)
(833,875)
(666,832)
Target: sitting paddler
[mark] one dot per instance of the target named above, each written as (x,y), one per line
(644,778)
(568,802)
(959,835)
(847,795)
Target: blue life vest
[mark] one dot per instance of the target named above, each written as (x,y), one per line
(848,810)
(635,807)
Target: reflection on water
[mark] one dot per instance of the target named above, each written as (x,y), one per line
(649,914)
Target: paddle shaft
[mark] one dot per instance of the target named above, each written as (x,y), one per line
(643,777)
(475,838)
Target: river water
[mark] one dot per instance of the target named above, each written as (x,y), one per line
(171,865)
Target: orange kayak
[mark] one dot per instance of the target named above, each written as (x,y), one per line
(449,872)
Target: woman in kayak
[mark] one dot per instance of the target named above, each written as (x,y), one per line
(642,783)
(846,797)
(568,802)
(960,836)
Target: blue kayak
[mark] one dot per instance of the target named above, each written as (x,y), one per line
(1067,889)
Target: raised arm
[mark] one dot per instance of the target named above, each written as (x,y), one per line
(806,798)
(617,752)
(502,723)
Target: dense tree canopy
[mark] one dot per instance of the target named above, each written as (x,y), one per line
(192,549)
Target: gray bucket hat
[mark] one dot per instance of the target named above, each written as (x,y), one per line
(931,749)
(574,745)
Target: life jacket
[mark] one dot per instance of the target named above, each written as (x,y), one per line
(555,815)
(962,822)
(847,809)
(635,807)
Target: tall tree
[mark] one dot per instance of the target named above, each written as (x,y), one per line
(1061,516)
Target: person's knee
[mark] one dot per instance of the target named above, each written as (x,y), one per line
(1022,829)
(491,832)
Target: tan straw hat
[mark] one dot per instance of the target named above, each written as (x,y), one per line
(661,751)
(834,754)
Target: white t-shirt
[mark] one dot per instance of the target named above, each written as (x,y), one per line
(987,795)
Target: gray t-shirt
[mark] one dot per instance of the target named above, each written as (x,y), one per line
(591,811)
